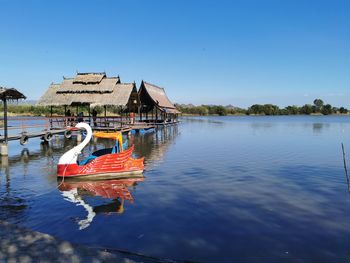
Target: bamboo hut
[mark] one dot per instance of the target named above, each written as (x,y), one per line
(155,104)
(92,89)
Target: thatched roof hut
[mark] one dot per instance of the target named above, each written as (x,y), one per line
(5,95)
(94,89)
(152,96)
(10,94)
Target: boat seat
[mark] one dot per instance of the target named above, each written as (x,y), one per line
(87,160)
(94,155)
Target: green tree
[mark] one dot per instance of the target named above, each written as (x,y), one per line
(201,110)
(256,109)
(306,109)
(318,103)
(343,110)
(292,110)
(326,109)
(270,109)
(221,110)
(335,110)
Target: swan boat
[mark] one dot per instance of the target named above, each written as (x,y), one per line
(106,163)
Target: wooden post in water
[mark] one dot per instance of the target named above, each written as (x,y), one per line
(345,167)
(5,120)
(4,145)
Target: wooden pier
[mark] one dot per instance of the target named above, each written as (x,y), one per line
(86,92)
(25,128)
(42,134)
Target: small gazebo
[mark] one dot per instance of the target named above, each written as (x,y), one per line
(7,94)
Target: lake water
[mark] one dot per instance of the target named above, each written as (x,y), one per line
(216,189)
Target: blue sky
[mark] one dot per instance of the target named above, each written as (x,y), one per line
(219,52)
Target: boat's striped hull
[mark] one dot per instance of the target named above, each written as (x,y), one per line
(108,164)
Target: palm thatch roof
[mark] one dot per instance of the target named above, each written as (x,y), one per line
(105,85)
(95,89)
(150,93)
(10,94)
(88,78)
(50,98)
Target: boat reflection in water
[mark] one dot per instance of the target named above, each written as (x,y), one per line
(117,191)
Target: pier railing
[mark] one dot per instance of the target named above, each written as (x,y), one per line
(23,124)
(28,127)
(108,122)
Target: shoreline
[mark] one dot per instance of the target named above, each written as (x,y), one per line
(237,115)
(29,114)
(21,244)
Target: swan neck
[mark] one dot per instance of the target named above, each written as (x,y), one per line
(71,156)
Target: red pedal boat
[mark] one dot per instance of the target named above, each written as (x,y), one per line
(103,164)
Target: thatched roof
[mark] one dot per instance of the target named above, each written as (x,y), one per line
(108,91)
(105,85)
(119,97)
(50,98)
(88,78)
(159,97)
(10,94)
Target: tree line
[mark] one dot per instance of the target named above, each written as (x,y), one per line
(318,107)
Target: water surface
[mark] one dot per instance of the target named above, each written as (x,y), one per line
(216,189)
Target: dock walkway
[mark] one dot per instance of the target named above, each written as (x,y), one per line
(32,134)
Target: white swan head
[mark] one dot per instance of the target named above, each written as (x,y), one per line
(71,156)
